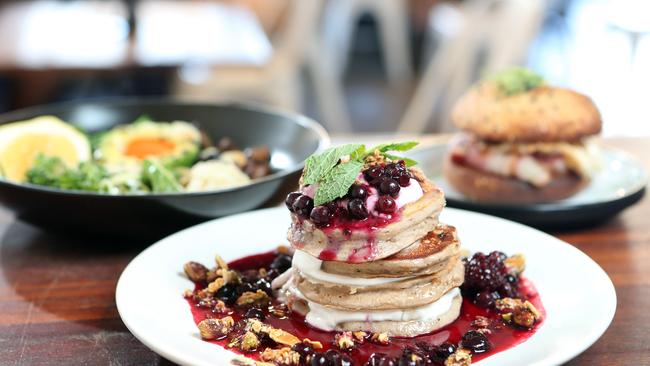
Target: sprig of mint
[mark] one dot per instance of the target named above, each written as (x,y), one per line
(517,80)
(335,169)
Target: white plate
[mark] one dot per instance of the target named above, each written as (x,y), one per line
(579,298)
(619,184)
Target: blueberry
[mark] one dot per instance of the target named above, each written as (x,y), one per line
(319,359)
(305,350)
(227,293)
(255,313)
(440,353)
(380,359)
(373,173)
(358,191)
(389,186)
(302,206)
(508,290)
(282,262)
(475,342)
(486,299)
(357,209)
(321,215)
(404,180)
(386,204)
(411,358)
(264,285)
(291,198)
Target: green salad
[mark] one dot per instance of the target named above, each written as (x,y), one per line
(139,157)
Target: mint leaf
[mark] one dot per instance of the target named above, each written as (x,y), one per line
(317,166)
(395,146)
(407,161)
(337,181)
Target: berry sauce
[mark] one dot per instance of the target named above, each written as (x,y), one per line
(502,336)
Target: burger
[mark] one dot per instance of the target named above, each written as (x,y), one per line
(522,141)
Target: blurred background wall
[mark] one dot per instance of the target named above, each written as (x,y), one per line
(354,65)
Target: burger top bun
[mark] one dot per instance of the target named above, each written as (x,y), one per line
(516,106)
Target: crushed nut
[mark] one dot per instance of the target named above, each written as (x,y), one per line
(207,302)
(216,328)
(195,271)
(344,340)
(220,307)
(282,356)
(515,264)
(212,275)
(215,285)
(360,336)
(480,322)
(279,310)
(313,344)
(188,293)
(249,342)
(283,337)
(251,298)
(507,304)
(220,262)
(462,357)
(521,313)
(380,338)
(256,326)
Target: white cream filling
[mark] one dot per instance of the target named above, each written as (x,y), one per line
(310,267)
(326,318)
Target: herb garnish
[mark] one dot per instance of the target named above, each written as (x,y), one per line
(335,169)
(517,80)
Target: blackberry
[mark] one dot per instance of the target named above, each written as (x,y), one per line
(485,272)
(486,298)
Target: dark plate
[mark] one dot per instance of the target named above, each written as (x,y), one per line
(291,138)
(620,183)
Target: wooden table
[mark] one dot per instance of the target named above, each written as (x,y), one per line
(57,302)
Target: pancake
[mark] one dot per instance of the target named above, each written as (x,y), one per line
(408,322)
(409,328)
(417,218)
(426,256)
(407,293)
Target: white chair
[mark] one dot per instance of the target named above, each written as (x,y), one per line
(488,35)
(339,21)
(276,81)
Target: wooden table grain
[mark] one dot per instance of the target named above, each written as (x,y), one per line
(57,302)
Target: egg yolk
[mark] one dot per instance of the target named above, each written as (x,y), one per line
(144,147)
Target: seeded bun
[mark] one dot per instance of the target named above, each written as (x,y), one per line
(541,114)
(485,187)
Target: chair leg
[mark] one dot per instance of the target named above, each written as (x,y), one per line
(394,36)
(328,89)
(338,27)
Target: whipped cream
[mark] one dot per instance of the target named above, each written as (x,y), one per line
(408,194)
(310,267)
(327,318)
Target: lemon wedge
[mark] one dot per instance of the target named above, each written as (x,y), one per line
(21,142)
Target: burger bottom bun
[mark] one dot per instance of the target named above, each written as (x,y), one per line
(486,187)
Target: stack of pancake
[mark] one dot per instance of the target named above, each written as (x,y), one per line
(401,279)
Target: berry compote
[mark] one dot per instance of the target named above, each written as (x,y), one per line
(430,349)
